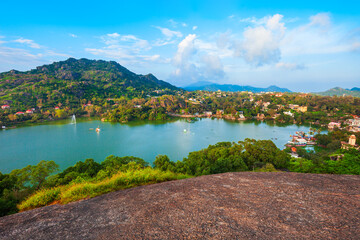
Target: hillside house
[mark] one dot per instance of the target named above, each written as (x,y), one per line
(333,125)
(5,106)
(208,114)
(289,113)
(302,109)
(219,112)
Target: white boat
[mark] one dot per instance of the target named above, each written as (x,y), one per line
(97,129)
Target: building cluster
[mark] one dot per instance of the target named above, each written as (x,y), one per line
(351,125)
(298,108)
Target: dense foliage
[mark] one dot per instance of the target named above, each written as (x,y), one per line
(89,178)
(80,87)
(227,157)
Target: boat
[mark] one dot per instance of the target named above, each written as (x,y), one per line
(97,129)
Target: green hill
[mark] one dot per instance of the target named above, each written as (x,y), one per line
(74,80)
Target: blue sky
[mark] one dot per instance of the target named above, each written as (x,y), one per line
(304,46)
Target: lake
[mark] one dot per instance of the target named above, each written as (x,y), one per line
(67,143)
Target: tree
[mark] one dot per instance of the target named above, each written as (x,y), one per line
(34,176)
(163,162)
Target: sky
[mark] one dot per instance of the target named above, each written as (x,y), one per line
(305,46)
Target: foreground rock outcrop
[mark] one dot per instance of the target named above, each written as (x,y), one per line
(243,205)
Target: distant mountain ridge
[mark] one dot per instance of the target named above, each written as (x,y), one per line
(338,91)
(232,88)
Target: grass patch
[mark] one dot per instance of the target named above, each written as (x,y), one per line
(77,191)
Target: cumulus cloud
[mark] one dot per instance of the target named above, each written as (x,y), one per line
(28,42)
(261,44)
(73,35)
(213,67)
(194,63)
(186,49)
(194,28)
(290,66)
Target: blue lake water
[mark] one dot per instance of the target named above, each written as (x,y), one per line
(67,144)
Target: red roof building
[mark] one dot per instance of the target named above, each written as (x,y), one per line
(20,113)
(5,106)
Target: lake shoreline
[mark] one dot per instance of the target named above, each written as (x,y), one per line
(67,143)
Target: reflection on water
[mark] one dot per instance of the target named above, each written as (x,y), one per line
(67,143)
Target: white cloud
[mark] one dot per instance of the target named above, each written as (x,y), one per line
(320,19)
(185,50)
(355,46)
(170,33)
(194,63)
(73,35)
(213,68)
(161,42)
(249,20)
(113,35)
(24,59)
(1,42)
(129,42)
(290,66)
(127,49)
(28,42)
(317,37)
(194,28)
(261,44)
(175,24)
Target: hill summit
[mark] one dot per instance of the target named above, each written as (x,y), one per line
(76,79)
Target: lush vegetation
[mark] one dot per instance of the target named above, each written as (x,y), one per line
(34,186)
(106,89)
(227,157)
(81,189)
(329,157)
(81,87)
